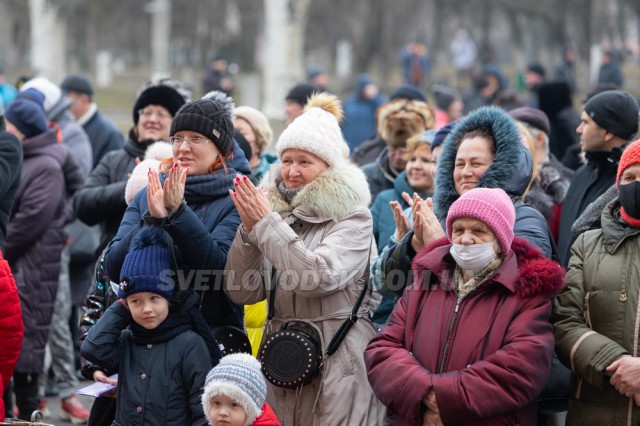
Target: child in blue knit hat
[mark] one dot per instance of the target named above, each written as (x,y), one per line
(235,393)
(156,338)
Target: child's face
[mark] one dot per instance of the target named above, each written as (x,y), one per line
(148,309)
(226,411)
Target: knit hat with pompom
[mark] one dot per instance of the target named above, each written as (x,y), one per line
(317,130)
(210,116)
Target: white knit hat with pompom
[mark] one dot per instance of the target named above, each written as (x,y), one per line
(317,130)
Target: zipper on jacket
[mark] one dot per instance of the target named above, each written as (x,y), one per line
(443,358)
(587,312)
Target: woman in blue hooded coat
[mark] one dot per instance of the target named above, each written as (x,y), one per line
(193,204)
(483,150)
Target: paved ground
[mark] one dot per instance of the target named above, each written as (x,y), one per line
(53,403)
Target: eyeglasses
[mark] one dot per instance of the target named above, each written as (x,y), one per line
(148,113)
(177,140)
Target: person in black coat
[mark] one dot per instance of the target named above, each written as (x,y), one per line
(609,122)
(10,171)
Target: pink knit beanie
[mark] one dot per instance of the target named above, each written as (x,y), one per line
(489,205)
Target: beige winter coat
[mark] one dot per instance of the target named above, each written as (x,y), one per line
(319,244)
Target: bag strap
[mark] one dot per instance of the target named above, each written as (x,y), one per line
(272,295)
(337,339)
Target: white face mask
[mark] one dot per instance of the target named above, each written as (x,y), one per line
(473,258)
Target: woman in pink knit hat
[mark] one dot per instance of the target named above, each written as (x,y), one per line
(470,341)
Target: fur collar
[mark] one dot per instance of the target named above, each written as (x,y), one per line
(536,275)
(512,165)
(331,196)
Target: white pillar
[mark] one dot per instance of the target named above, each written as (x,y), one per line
(47,40)
(104,71)
(283,60)
(160,11)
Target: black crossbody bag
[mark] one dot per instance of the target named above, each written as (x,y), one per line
(292,356)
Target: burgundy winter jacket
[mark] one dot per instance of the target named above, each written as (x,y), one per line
(487,357)
(11,328)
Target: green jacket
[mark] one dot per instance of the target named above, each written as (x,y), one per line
(595,316)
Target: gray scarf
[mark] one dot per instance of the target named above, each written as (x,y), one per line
(288,194)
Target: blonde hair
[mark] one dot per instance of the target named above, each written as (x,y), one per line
(414,143)
(526,138)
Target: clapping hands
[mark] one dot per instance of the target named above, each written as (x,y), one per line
(252,203)
(163,200)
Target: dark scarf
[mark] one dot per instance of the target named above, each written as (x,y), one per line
(604,160)
(203,188)
(288,194)
(187,317)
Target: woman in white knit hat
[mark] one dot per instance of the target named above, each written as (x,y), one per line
(312,231)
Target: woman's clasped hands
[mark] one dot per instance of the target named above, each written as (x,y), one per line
(252,203)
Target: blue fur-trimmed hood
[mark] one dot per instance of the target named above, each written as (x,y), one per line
(512,165)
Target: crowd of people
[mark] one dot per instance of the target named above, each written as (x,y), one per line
(386,260)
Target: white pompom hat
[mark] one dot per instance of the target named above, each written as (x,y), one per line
(317,130)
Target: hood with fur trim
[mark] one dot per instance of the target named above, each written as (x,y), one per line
(512,165)
(536,275)
(330,196)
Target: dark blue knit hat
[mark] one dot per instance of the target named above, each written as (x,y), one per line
(442,134)
(26,113)
(147,265)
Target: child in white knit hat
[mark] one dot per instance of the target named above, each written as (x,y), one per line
(235,393)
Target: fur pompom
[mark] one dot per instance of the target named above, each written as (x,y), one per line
(224,101)
(328,102)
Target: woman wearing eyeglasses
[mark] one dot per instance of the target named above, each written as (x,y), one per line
(101,198)
(189,198)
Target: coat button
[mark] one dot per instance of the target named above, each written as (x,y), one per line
(149,346)
(143,376)
(139,410)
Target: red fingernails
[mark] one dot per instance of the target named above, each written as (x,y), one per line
(235,183)
(244,178)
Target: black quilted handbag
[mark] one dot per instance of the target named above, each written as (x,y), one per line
(292,356)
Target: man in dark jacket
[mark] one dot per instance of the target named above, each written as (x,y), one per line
(609,121)
(103,134)
(10,170)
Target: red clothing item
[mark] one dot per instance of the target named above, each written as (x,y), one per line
(267,418)
(487,356)
(11,327)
